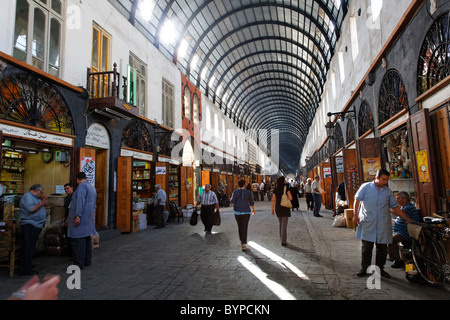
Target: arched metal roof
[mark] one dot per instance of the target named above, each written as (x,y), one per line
(263,62)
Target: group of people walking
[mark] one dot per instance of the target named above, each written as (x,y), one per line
(374,203)
(243,200)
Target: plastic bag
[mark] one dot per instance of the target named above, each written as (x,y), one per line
(194,218)
(339,221)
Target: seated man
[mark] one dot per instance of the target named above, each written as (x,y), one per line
(400,230)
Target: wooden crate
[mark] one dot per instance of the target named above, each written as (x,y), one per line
(8,245)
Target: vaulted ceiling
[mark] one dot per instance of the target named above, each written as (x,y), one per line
(262,62)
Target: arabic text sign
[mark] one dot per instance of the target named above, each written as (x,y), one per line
(35,135)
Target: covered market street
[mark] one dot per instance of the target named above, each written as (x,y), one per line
(181,262)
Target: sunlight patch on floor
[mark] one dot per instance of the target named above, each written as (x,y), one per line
(274,257)
(280,291)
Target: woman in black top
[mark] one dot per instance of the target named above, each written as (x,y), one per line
(283,213)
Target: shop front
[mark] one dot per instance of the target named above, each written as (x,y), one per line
(94,160)
(134,188)
(135,177)
(39,117)
(431,162)
(32,156)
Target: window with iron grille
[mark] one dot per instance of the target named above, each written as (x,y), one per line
(434,62)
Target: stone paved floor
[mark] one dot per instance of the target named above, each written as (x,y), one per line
(180,262)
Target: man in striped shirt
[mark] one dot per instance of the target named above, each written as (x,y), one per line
(208,201)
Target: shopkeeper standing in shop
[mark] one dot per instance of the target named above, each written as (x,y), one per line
(160,202)
(32,220)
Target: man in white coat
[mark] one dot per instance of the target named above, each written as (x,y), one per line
(373,205)
(81,224)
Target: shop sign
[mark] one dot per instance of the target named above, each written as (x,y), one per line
(87,165)
(136,154)
(400,120)
(422,166)
(340,165)
(160,170)
(97,136)
(169,160)
(35,135)
(370,168)
(327,172)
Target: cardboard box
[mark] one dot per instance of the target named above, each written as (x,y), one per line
(57,213)
(56,200)
(142,221)
(187,213)
(138,205)
(348,213)
(135,222)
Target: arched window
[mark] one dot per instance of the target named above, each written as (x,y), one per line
(338,137)
(365,118)
(224,129)
(434,62)
(351,134)
(30,100)
(216,126)
(208,119)
(393,97)
(196,109)
(187,103)
(136,136)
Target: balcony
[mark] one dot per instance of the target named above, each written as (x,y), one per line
(109,93)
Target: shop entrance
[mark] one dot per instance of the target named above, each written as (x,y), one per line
(101,178)
(94,162)
(25,164)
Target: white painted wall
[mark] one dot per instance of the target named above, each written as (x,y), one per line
(7,18)
(77,49)
(371,37)
(214,135)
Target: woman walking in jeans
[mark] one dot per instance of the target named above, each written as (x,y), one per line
(243,200)
(283,213)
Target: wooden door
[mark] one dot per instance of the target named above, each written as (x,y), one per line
(123,194)
(163,179)
(425,179)
(101,167)
(230,186)
(191,191)
(368,149)
(441,136)
(326,185)
(214,181)
(184,187)
(206,177)
(351,175)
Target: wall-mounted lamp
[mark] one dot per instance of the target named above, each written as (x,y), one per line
(330,127)
(349,114)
